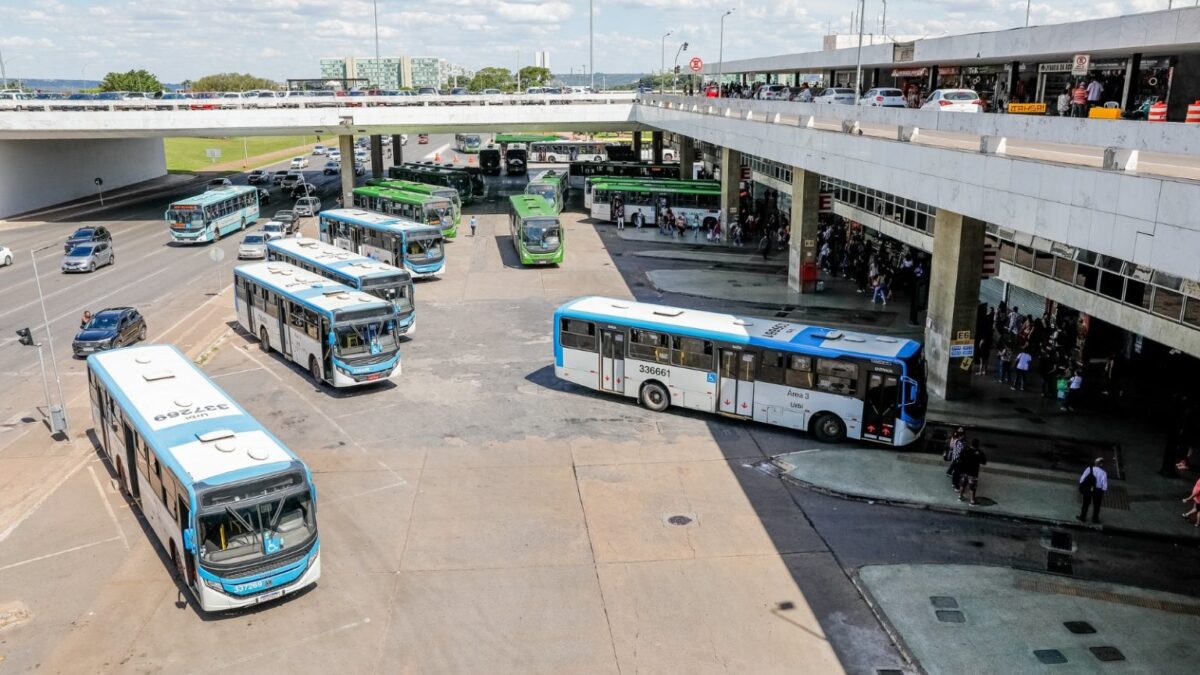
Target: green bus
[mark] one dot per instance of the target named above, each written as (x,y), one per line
(536,233)
(550,185)
(440,191)
(505,139)
(424,209)
(478,186)
(420,173)
(647,202)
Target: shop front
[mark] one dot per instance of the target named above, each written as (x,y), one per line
(912,82)
(1055,78)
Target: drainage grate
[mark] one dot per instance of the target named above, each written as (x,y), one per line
(1079,627)
(1050,656)
(1106,596)
(1059,563)
(679,520)
(943,601)
(1107,653)
(1061,541)
(950,616)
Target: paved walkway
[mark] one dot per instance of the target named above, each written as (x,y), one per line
(957,619)
(691,238)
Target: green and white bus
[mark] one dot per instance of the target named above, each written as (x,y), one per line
(580,171)
(567,151)
(647,202)
(469,143)
(550,185)
(440,191)
(536,233)
(436,211)
(212,215)
(589,185)
(421,173)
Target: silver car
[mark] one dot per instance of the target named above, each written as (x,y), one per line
(307,206)
(253,246)
(87,257)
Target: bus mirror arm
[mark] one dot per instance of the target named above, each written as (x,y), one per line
(910,389)
(189,540)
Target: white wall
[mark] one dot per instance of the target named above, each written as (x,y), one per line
(35,174)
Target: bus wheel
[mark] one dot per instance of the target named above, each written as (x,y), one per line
(551,158)
(264,340)
(315,369)
(176,573)
(654,397)
(829,428)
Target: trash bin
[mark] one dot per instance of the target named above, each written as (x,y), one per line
(58,419)
(808,276)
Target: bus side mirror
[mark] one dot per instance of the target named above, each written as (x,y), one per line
(910,390)
(189,540)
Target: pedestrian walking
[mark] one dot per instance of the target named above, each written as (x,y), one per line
(1074,385)
(1024,360)
(1064,103)
(1004,364)
(764,245)
(472,226)
(969,462)
(954,449)
(1093,483)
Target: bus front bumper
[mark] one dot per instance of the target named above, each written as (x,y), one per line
(220,601)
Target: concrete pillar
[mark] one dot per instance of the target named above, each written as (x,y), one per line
(656,146)
(687,156)
(346,146)
(731,177)
(802,249)
(953,301)
(377,156)
(397,150)
(1130,91)
(637,146)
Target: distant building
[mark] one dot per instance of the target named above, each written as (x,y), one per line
(541,60)
(394,72)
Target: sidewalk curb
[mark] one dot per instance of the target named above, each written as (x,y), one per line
(1033,520)
(882,617)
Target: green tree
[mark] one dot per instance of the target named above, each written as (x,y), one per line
(232,82)
(134,80)
(492,78)
(532,76)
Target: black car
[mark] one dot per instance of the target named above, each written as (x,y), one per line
(109,329)
(264,196)
(287,217)
(87,235)
(303,190)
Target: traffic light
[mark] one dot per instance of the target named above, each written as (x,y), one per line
(25,337)
(676,69)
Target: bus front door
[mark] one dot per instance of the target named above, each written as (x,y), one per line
(285,342)
(131,464)
(735,385)
(881,407)
(612,361)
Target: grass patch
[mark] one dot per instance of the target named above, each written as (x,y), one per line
(187,154)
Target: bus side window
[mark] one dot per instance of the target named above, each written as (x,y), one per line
(310,323)
(772,367)
(578,335)
(799,372)
(168,494)
(649,346)
(142,460)
(838,377)
(296,316)
(692,353)
(155,476)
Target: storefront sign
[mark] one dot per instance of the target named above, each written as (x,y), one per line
(910,72)
(1079,65)
(961,349)
(984,70)
(947,70)
(902,52)
(1027,108)
(1065,67)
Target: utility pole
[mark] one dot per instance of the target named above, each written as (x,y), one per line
(883,23)
(721,53)
(858,66)
(50,339)
(375,10)
(662,62)
(591,43)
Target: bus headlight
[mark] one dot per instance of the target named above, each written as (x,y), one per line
(215,585)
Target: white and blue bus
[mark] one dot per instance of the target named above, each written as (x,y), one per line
(212,215)
(344,337)
(234,509)
(416,247)
(350,269)
(833,384)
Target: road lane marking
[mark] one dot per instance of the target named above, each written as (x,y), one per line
(108,507)
(364,493)
(288,645)
(42,500)
(57,553)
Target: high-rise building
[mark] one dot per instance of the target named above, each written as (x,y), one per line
(423,71)
(541,60)
(381,73)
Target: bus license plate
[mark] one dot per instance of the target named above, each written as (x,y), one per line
(267,597)
(374,376)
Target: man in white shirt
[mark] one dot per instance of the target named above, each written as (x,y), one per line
(1023,360)
(1093,483)
(1094,91)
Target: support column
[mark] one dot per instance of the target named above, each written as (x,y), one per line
(731,177)
(346,146)
(687,157)
(656,145)
(953,301)
(377,156)
(802,249)
(397,150)
(637,146)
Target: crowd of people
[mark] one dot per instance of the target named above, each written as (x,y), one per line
(881,269)
(1023,344)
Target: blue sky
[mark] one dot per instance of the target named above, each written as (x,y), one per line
(182,39)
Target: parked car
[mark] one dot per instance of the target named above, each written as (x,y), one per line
(318,150)
(258,176)
(109,329)
(839,95)
(264,196)
(303,190)
(403,139)
(253,247)
(5,256)
(87,235)
(307,206)
(291,178)
(87,257)
(773,92)
(954,100)
(427,91)
(274,230)
(422,139)
(884,97)
(299,163)
(287,217)
(331,169)
(278,176)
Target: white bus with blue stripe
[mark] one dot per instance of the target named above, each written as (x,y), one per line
(212,215)
(350,269)
(831,383)
(233,508)
(343,337)
(416,247)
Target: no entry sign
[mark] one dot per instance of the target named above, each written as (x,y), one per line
(696,64)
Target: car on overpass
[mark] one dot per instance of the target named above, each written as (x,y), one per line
(836,95)
(5,256)
(307,206)
(287,217)
(109,329)
(299,162)
(291,178)
(954,100)
(318,150)
(253,247)
(883,97)
(427,91)
(219,183)
(274,230)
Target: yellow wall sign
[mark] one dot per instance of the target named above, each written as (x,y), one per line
(1027,108)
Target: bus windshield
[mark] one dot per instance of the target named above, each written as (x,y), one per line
(395,291)
(186,220)
(423,249)
(368,335)
(541,235)
(241,534)
(438,212)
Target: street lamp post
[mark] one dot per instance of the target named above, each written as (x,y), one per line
(858,66)
(50,339)
(375,11)
(591,46)
(1029,5)
(721,53)
(662,61)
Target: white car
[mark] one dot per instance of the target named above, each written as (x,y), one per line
(274,230)
(253,247)
(5,256)
(299,163)
(335,155)
(840,95)
(307,206)
(318,150)
(954,100)
(883,97)
(773,92)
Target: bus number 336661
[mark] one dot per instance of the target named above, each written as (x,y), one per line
(652,370)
